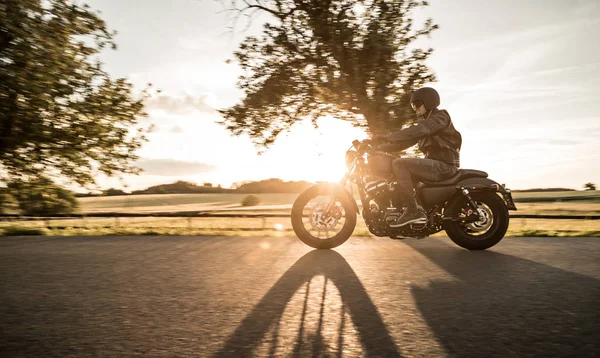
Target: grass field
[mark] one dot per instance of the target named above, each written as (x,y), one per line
(252,227)
(552,203)
(548,203)
(557,196)
(180,202)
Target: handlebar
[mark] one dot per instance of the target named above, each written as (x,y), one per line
(362,146)
(370,146)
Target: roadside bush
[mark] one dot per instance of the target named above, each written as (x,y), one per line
(15,230)
(41,196)
(8,204)
(251,200)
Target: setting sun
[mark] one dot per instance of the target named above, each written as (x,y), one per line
(312,154)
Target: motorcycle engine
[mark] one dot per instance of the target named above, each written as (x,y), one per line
(375,188)
(379,192)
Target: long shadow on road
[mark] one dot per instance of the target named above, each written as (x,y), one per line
(502,305)
(373,333)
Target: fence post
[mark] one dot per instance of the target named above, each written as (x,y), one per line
(189,222)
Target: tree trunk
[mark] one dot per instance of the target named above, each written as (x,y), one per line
(373,115)
(6,126)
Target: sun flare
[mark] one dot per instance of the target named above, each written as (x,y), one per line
(315,154)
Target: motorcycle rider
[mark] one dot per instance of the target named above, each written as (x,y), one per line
(437,139)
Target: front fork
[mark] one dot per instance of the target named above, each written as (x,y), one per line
(342,184)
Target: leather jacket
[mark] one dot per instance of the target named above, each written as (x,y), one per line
(436,136)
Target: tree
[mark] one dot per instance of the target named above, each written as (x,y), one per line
(589,186)
(41,196)
(8,203)
(354,60)
(113,192)
(61,115)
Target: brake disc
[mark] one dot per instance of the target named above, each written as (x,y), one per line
(320,222)
(486,219)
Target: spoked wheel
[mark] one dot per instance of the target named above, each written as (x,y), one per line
(316,226)
(481,234)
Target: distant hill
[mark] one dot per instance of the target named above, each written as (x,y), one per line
(272,185)
(182,187)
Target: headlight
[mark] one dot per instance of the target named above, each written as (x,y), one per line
(350,157)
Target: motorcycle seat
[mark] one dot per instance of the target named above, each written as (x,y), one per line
(461,174)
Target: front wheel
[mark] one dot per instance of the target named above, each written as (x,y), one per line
(321,229)
(482,234)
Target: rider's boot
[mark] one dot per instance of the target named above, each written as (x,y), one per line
(410,216)
(413,214)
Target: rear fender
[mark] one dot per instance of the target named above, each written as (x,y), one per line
(486,184)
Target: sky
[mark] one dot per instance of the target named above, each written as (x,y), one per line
(519,79)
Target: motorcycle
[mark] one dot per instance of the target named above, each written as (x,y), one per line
(470,207)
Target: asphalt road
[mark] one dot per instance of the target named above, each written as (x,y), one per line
(274,296)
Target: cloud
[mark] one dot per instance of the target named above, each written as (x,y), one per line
(526,70)
(525,37)
(181,105)
(173,167)
(196,43)
(537,141)
(176,129)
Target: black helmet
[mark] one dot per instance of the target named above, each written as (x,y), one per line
(428,96)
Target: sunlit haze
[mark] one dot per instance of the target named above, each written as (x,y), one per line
(520,80)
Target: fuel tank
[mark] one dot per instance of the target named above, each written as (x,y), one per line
(380,163)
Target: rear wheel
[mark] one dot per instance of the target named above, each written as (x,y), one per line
(317,228)
(481,234)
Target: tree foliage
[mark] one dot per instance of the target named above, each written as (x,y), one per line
(589,186)
(354,60)
(41,196)
(61,114)
(8,203)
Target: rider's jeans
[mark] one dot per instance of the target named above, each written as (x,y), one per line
(409,171)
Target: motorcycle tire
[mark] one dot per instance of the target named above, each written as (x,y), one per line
(461,236)
(350,214)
